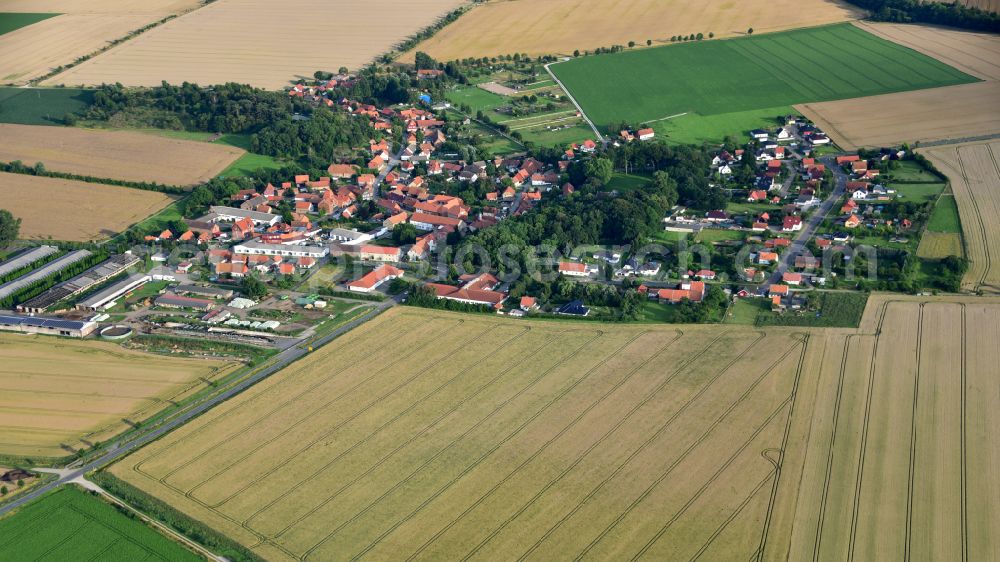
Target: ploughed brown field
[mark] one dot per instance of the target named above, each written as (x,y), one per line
(260,42)
(57,395)
(974,171)
(52,208)
(119,155)
(951,113)
(83,27)
(484,438)
(538,27)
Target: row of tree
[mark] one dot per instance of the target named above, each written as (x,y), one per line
(924,11)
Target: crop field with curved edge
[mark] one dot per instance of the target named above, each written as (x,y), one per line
(750,73)
(974,171)
(899,457)
(57,395)
(545,27)
(481,438)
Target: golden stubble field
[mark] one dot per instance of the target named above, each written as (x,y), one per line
(73,210)
(538,27)
(487,439)
(954,112)
(898,456)
(260,42)
(82,28)
(120,155)
(57,393)
(974,171)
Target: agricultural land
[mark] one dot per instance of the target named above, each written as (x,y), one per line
(48,410)
(70,524)
(58,209)
(975,176)
(234,41)
(77,29)
(728,79)
(577,440)
(42,106)
(562,26)
(119,155)
(956,112)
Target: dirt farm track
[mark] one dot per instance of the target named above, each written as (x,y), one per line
(537,440)
(119,155)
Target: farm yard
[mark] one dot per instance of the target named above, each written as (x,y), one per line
(956,112)
(975,174)
(540,438)
(896,457)
(562,26)
(76,30)
(118,155)
(70,524)
(719,77)
(235,41)
(85,211)
(59,394)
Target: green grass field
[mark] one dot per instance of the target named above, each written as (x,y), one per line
(10,21)
(744,75)
(836,310)
(694,128)
(945,216)
(918,192)
(41,106)
(625,183)
(70,524)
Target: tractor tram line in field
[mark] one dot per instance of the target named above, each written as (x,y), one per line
(410,441)
(655,435)
(453,442)
(288,458)
(469,468)
(642,447)
(539,451)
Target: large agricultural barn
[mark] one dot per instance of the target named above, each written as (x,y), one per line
(47,326)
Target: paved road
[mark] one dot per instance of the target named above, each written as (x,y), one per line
(118,451)
(812,223)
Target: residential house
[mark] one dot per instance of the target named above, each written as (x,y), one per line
(373,279)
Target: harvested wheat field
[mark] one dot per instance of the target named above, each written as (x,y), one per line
(82,28)
(497,439)
(119,155)
(238,41)
(899,457)
(52,208)
(974,171)
(57,394)
(540,27)
(956,112)
(971,52)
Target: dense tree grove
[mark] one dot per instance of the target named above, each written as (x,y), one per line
(922,11)
(317,137)
(9,227)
